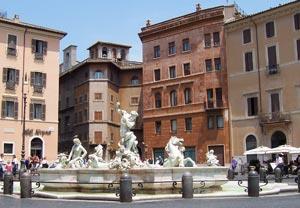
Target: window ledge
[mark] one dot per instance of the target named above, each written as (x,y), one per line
(154,58)
(187,51)
(173,54)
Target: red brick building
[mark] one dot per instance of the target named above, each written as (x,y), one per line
(185,83)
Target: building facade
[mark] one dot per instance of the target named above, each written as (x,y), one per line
(263,53)
(29,68)
(89,91)
(185,84)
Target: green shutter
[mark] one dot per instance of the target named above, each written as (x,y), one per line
(3,114)
(33,46)
(32,78)
(17,76)
(31,111)
(45,45)
(44,112)
(16,110)
(44,79)
(4,75)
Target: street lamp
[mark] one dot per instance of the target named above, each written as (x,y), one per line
(23,168)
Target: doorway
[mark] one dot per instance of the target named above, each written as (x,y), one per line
(36,147)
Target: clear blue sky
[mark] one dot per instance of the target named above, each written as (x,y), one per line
(111,20)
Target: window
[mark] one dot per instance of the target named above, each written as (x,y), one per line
(112,115)
(123,54)
(210,122)
(187,69)
(111,98)
(8,148)
(172,48)
(275,102)
(208,65)
(157,127)
(219,97)
(10,77)
(246,36)
(157,74)
(218,65)
(37,111)
(252,103)
(157,100)
(98,115)
(272,60)
(172,72)
(85,115)
(134,101)
(187,96)
(270,30)
(80,99)
(98,96)
(298,49)
(186,45)
(207,40)
(12,45)
(9,109)
(174,126)
(104,52)
(39,48)
(216,38)
(220,121)
(98,75)
(173,98)
(210,98)
(297,21)
(156,52)
(135,80)
(248,61)
(98,137)
(38,81)
(188,124)
(85,97)
(80,116)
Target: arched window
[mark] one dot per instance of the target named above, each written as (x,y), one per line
(98,75)
(36,147)
(277,139)
(251,143)
(187,96)
(173,98)
(104,52)
(135,80)
(123,54)
(157,100)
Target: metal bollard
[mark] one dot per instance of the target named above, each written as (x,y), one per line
(8,185)
(187,186)
(278,175)
(253,183)
(298,174)
(125,188)
(26,185)
(230,175)
(262,174)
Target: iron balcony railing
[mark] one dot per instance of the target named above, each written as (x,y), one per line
(10,85)
(274,117)
(272,69)
(210,104)
(38,88)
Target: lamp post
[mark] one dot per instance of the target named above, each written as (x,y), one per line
(23,168)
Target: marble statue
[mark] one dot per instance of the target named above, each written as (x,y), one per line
(62,161)
(96,159)
(77,154)
(211,159)
(174,150)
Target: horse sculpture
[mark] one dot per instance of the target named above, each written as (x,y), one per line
(175,151)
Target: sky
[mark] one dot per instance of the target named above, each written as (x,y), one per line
(118,21)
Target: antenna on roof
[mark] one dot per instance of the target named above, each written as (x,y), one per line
(3,14)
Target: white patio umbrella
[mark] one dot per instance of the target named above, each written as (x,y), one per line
(296,151)
(261,150)
(283,148)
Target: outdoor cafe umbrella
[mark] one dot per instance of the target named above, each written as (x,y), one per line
(261,150)
(283,149)
(296,151)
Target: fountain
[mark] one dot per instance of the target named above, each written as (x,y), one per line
(71,174)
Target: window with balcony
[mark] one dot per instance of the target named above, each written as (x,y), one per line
(219,97)
(9,109)
(156,74)
(188,124)
(270,29)
(37,111)
(12,45)
(156,52)
(158,127)
(172,72)
(10,77)
(158,100)
(173,98)
(173,126)
(218,65)
(297,21)
(216,39)
(38,81)
(186,46)
(252,104)
(186,69)
(172,48)
(208,65)
(39,48)
(247,36)
(207,40)
(272,67)
(187,95)
(248,61)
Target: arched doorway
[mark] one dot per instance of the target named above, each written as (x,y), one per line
(251,143)
(36,147)
(277,139)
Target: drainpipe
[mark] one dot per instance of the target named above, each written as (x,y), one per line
(23,69)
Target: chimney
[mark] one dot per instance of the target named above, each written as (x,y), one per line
(148,23)
(16,18)
(198,7)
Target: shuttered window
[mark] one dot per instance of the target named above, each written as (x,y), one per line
(98,115)
(12,45)
(207,40)
(247,36)
(252,103)
(297,21)
(38,79)
(272,57)
(249,61)
(270,29)
(9,109)
(98,137)
(39,48)
(37,111)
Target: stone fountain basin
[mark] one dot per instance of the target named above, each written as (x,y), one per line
(153,180)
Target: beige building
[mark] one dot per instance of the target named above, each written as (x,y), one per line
(29,65)
(263,60)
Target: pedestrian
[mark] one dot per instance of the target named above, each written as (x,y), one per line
(15,164)
(44,163)
(279,162)
(8,167)
(234,164)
